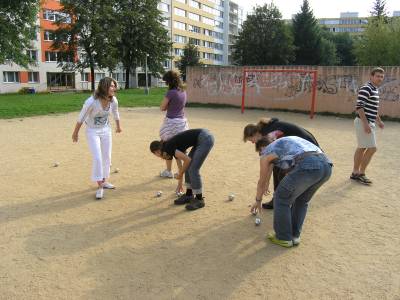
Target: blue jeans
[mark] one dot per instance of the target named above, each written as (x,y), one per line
(198,155)
(295,191)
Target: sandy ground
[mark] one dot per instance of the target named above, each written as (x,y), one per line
(57,242)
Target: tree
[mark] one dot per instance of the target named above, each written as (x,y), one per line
(344,48)
(191,57)
(264,39)
(307,37)
(379,11)
(141,34)
(17,30)
(86,36)
(378,45)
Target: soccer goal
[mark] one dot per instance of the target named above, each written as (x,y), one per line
(292,83)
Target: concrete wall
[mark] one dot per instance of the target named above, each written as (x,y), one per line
(336,88)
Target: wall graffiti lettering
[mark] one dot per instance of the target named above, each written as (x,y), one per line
(289,85)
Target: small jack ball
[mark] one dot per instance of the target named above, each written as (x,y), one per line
(116,170)
(257,221)
(159,193)
(231,197)
(56,164)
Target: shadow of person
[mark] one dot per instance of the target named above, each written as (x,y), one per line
(207,263)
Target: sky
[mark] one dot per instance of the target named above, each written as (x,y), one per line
(321,8)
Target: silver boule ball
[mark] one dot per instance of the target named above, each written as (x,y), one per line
(231,197)
(116,170)
(159,193)
(56,164)
(257,221)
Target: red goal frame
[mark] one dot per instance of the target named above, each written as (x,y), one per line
(314,83)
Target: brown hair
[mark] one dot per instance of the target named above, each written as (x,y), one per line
(261,144)
(251,129)
(377,70)
(173,80)
(103,87)
(157,145)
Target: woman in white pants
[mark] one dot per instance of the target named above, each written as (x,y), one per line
(95,114)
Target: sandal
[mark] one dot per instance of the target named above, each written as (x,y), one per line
(364,179)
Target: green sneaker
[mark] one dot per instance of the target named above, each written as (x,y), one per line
(273,239)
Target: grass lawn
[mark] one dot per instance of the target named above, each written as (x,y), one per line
(25,105)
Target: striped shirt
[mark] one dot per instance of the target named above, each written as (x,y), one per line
(368,99)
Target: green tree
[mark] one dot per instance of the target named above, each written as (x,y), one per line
(141,34)
(307,37)
(379,11)
(191,57)
(86,36)
(264,39)
(344,48)
(17,30)
(379,44)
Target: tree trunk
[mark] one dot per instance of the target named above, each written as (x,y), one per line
(127,72)
(92,79)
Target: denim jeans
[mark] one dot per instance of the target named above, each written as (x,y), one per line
(295,191)
(198,155)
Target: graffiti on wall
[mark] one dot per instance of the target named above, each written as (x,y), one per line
(289,85)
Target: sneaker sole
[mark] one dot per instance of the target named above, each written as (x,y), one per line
(194,208)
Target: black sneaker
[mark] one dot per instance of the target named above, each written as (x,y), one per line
(268,205)
(183,199)
(195,204)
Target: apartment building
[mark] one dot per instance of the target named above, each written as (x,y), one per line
(210,24)
(348,22)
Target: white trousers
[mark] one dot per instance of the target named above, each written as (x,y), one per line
(100,144)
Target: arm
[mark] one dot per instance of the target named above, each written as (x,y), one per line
(164,104)
(186,162)
(76,131)
(379,121)
(364,120)
(266,167)
(115,112)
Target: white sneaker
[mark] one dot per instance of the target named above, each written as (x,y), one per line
(167,174)
(108,185)
(296,241)
(99,193)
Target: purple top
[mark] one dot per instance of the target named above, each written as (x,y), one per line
(176,104)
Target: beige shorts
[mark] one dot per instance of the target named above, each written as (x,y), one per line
(364,140)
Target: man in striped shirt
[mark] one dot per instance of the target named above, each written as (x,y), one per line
(366,116)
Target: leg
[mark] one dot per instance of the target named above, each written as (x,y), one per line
(95,148)
(106,148)
(366,159)
(169,165)
(358,157)
(299,208)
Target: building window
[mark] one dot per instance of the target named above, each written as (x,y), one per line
(182,1)
(85,77)
(32,54)
(180,39)
(163,7)
(180,25)
(207,8)
(194,41)
(48,35)
(33,77)
(208,21)
(11,77)
(219,24)
(195,29)
(51,56)
(178,52)
(166,64)
(180,12)
(166,22)
(194,17)
(52,15)
(194,4)
(99,76)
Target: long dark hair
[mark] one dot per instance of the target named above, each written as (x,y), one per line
(158,145)
(173,80)
(103,87)
(251,129)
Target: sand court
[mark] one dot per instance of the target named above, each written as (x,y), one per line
(58,242)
